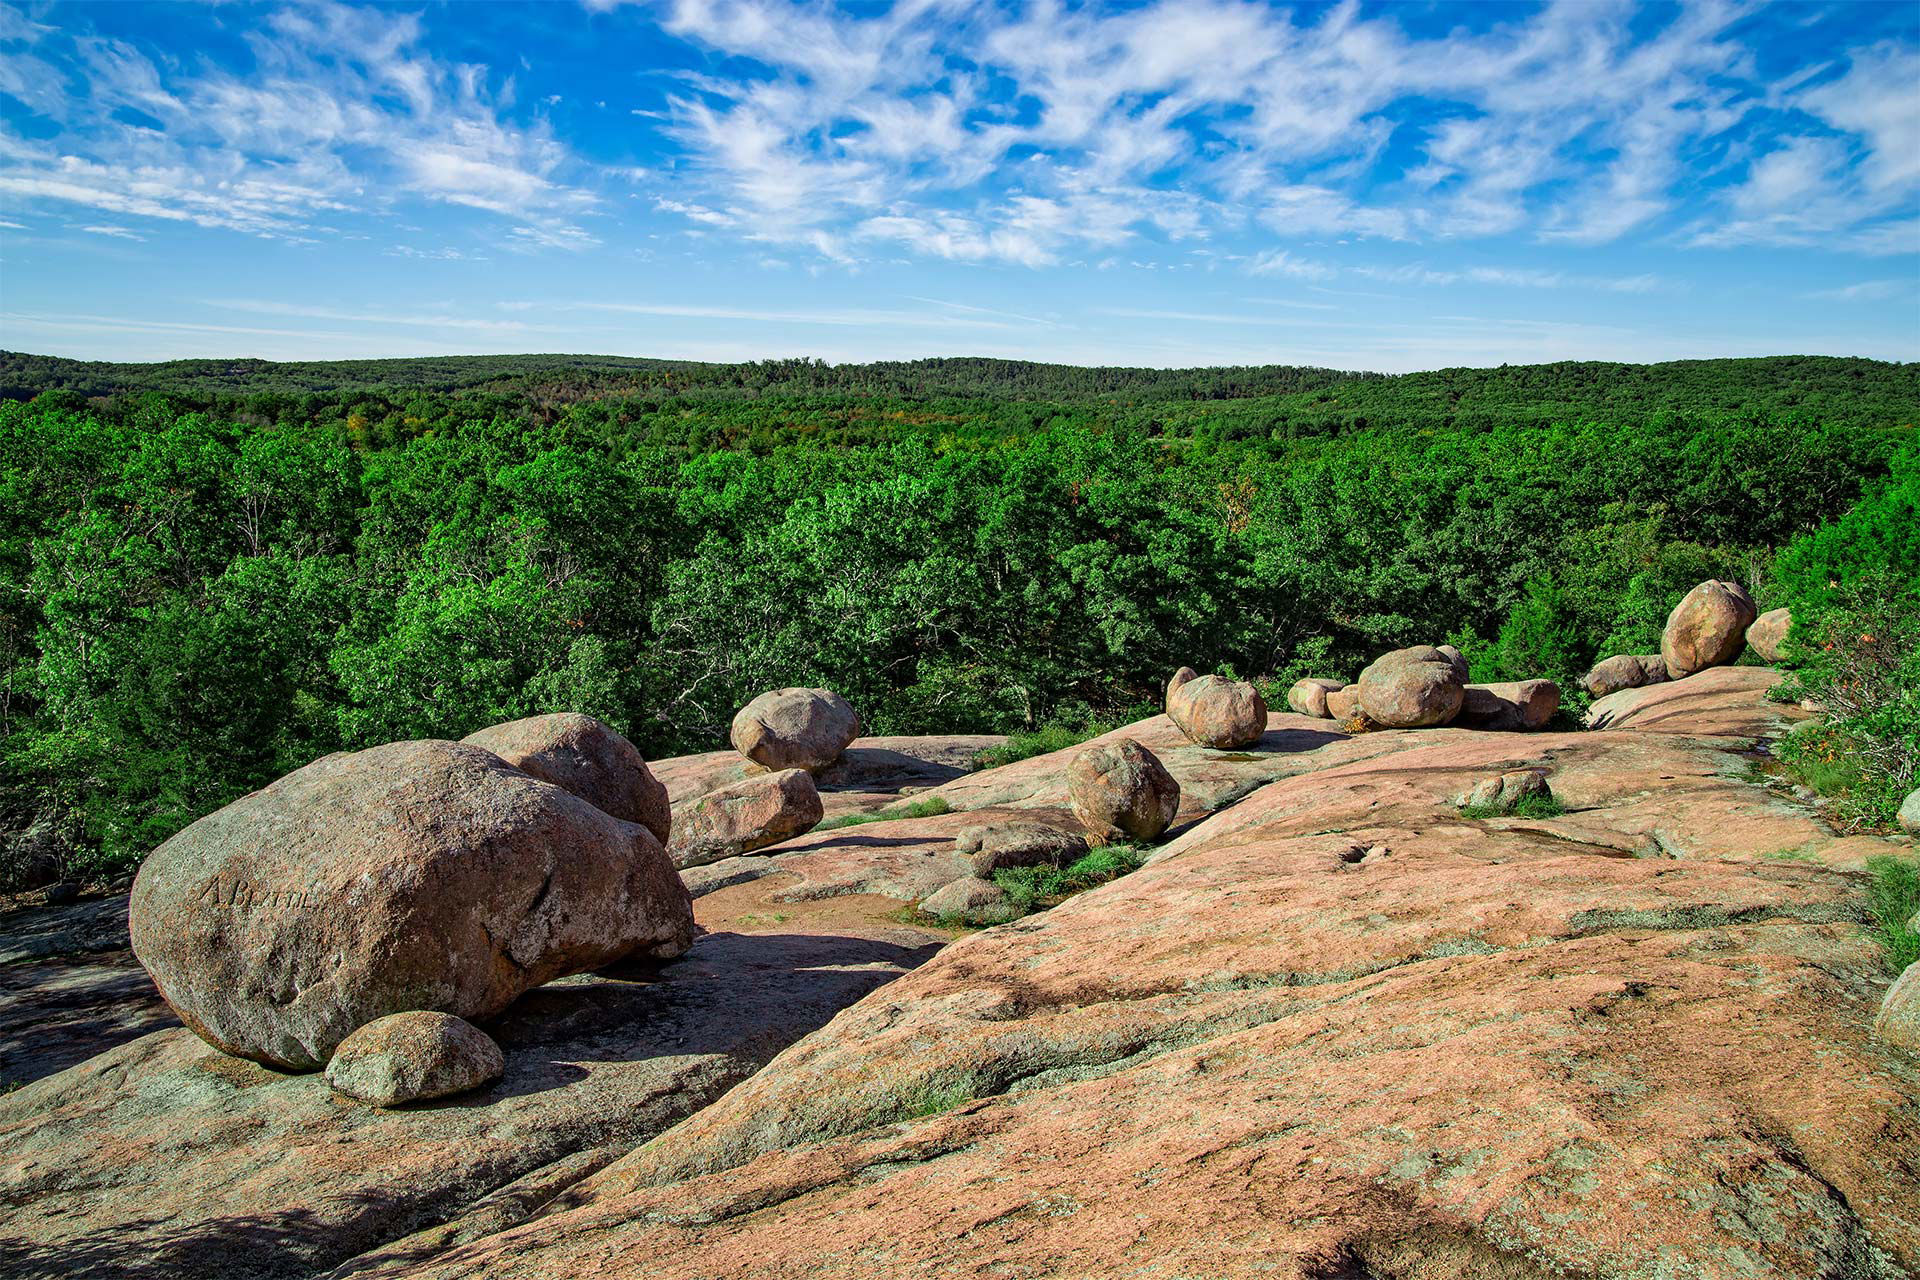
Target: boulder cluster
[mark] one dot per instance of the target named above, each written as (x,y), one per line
(1708,628)
(786,736)
(374,903)
(1424,686)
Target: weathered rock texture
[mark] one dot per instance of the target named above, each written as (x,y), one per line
(580,754)
(1909,814)
(410,1057)
(1624,671)
(795,729)
(1519,706)
(1309,696)
(743,816)
(1120,791)
(1707,628)
(1214,711)
(1768,634)
(418,875)
(1338,1031)
(1184,675)
(1413,688)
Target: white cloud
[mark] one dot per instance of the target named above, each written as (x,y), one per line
(119,233)
(945,127)
(342,112)
(1866,291)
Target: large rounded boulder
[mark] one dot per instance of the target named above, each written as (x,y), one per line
(580,754)
(1119,790)
(1214,711)
(1413,688)
(795,729)
(1707,628)
(1768,634)
(417,875)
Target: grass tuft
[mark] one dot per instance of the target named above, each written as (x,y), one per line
(1526,807)
(1057,735)
(931,807)
(1893,898)
(1032,888)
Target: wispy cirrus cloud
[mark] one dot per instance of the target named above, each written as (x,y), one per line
(341,111)
(1032,133)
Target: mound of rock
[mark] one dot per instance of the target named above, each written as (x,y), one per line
(417,875)
(1413,688)
(795,729)
(970,898)
(580,754)
(1309,696)
(1624,671)
(1707,628)
(1214,711)
(1768,634)
(1519,706)
(743,816)
(1120,791)
(999,846)
(411,1057)
(1505,791)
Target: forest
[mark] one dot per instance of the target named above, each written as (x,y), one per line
(217,571)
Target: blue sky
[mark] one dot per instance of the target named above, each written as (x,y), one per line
(1186,182)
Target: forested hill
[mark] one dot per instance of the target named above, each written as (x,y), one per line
(643,399)
(591,377)
(213,572)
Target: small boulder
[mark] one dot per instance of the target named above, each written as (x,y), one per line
(1503,792)
(1120,791)
(996,847)
(795,729)
(743,816)
(1214,711)
(1898,1022)
(1909,814)
(1768,634)
(1184,675)
(1344,703)
(1624,671)
(1412,688)
(410,1057)
(580,754)
(1309,696)
(1520,706)
(1707,628)
(417,875)
(971,898)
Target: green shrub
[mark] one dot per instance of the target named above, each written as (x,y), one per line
(1860,660)
(1893,898)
